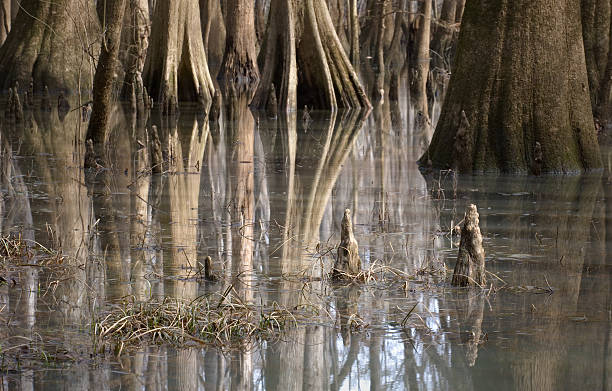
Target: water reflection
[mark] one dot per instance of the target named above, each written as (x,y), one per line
(264,198)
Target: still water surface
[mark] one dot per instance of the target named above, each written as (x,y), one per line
(264,198)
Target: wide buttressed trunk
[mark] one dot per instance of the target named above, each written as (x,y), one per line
(176,67)
(597,35)
(239,71)
(50,41)
(518,100)
(302,52)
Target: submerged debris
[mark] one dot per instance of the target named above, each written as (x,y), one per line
(470,267)
(348,262)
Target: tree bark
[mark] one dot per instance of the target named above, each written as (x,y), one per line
(418,83)
(5,19)
(97,131)
(354,35)
(176,67)
(520,78)
(380,50)
(213,33)
(597,36)
(445,36)
(302,51)
(47,43)
(348,262)
(135,42)
(239,71)
(470,267)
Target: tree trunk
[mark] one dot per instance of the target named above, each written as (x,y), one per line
(176,67)
(135,42)
(261,18)
(354,36)
(302,50)
(380,50)
(213,33)
(445,36)
(5,19)
(239,72)
(597,34)
(54,50)
(520,78)
(418,83)
(443,47)
(97,130)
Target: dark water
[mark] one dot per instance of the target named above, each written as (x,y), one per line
(265,198)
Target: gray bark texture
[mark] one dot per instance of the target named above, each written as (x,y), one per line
(302,51)
(520,77)
(135,42)
(597,35)
(176,68)
(50,44)
(213,32)
(98,128)
(5,19)
(348,262)
(239,72)
(470,267)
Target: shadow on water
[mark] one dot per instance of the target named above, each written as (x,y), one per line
(264,198)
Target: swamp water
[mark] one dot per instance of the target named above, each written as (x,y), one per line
(264,198)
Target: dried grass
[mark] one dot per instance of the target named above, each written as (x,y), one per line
(212,320)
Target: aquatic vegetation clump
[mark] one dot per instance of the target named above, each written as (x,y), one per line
(204,321)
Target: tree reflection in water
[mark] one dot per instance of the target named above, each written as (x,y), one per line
(260,196)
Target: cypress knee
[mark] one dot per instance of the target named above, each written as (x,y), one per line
(470,267)
(348,262)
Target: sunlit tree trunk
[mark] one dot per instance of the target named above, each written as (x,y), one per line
(51,44)
(239,71)
(380,49)
(5,19)
(418,83)
(302,51)
(354,34)
(176,67)
(135,42)
(213,32)
(106,69)
(518,98)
